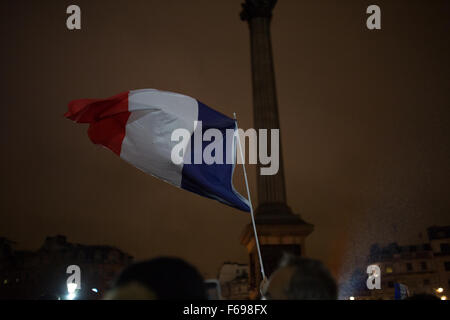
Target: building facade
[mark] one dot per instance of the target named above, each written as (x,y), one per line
(42,274)
(233,279)
(424,268)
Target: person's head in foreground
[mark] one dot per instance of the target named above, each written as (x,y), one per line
(299,278)
(160,278)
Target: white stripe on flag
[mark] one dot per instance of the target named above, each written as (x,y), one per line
(154,116)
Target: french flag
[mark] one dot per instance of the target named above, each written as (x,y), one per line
(137,126)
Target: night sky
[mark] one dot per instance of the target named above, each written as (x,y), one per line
(364,121)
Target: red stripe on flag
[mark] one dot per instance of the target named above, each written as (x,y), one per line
(107,118)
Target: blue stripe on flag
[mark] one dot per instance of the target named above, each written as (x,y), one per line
(215,180)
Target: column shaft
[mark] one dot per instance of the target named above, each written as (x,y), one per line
(271,189)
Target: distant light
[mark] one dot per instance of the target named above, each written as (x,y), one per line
(352,298)
(71,296)
(95,290)
(443,298)
(440,290)
(71,287)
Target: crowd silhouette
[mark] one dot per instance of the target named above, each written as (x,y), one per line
(167,278)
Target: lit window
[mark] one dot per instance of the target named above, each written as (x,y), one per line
(389,270)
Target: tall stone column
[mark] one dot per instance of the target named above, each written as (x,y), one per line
(258,14)
(279,229)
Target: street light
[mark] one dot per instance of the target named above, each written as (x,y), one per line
(443,298)
(71,287)
(352,298)
(71,296)
(440,290)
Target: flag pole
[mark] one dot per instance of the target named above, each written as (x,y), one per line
(250,201)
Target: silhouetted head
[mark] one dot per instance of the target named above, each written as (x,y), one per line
(160,278)
(301,279)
